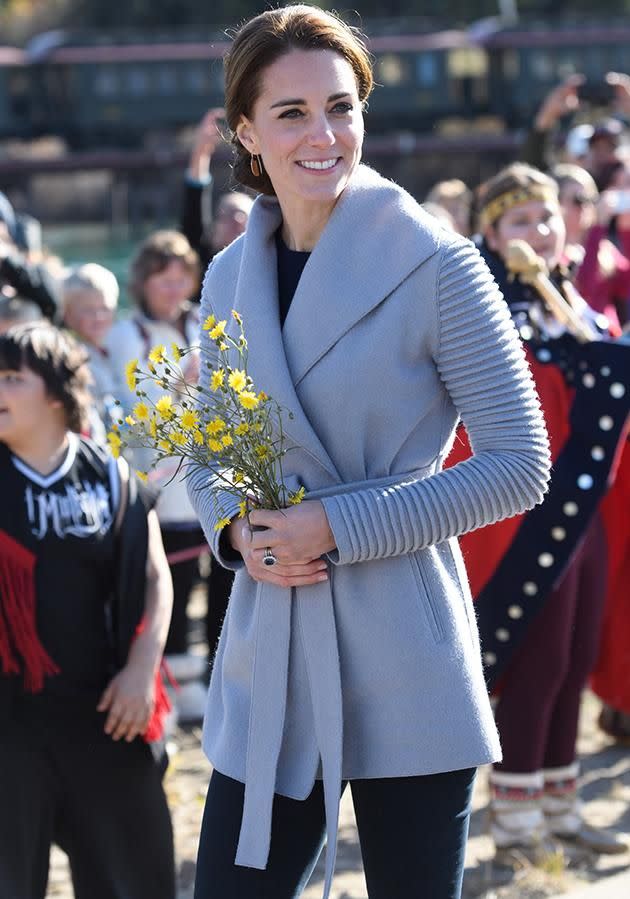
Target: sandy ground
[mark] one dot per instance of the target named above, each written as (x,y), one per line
(605,789)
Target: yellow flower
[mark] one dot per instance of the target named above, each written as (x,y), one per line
(189,418)
(144,477)
(153,427)
(227,440)
(218,330)
(237,317)
(141,411)
(215,426)
(217,379)
(114,443)
(221,523)
(158,354)
(296,498)
(164,407)
(262,451)
(241,429)
(238,477)
(177,353)
(197,437)
(223,345)
(164,445)
(178,438)
(130,373)
(237,380)
(248,399)
(209,323)
(130,421)
(242,508)
(215,445)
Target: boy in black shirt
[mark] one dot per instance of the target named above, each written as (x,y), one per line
(85,598)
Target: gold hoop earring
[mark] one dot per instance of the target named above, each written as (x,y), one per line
(255,164)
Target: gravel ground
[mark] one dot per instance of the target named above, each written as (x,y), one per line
(605,790)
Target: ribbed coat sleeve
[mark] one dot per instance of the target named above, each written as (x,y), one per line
(482,365)
(208,499)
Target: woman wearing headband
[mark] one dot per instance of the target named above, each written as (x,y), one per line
(539,580)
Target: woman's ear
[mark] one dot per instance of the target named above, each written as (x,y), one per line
(245,133)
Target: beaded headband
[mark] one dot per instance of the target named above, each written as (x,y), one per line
(497,207)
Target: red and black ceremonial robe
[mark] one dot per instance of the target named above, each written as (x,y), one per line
(514,565)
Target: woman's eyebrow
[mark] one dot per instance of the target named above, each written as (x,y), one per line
(296,101)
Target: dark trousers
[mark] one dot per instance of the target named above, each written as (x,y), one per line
(412,831)
(539,702)
(63,780)
(220,583)
(184,575)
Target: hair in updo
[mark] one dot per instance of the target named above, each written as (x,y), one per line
(264,39)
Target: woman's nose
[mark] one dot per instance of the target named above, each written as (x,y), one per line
(321,133)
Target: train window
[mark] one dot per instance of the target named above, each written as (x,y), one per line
(391,70)
(511,64)
(106,82)
(197,79)
(166,80)
(566,63)
(137,81)
(541,65)
(467,62)
(427,69)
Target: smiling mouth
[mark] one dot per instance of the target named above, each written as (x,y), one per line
(319,165)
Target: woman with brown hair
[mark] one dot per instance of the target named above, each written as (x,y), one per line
(349,651)
(164,279)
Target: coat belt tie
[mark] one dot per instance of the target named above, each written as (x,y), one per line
(315,607)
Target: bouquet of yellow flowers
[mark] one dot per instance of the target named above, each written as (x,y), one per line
(230,426)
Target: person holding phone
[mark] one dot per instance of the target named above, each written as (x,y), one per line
(604,276)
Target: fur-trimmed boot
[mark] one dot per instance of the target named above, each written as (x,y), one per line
(517,821)
(563,813)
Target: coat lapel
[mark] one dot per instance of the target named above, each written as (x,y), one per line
(256,299)
(376,236)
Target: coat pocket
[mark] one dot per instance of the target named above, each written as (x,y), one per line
(431,608)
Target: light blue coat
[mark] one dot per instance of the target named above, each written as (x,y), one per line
(396,330)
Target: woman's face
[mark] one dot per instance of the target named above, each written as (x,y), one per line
(578,211)
(537,223)
(166,292)
(307,125)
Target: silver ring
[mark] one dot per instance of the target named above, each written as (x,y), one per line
(268,557)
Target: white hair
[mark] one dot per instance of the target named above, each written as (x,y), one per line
(91,276)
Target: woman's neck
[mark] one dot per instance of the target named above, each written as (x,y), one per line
(45,452)
(303,224)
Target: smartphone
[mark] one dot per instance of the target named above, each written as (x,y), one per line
(621,201)
(598,93)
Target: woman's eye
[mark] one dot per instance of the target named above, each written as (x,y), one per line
(291,114)
(342,107)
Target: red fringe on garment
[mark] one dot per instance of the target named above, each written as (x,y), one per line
(162,704)
(18,631)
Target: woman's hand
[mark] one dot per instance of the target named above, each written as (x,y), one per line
(129,701)
(298,537)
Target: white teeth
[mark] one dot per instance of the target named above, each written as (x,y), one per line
(328,164)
